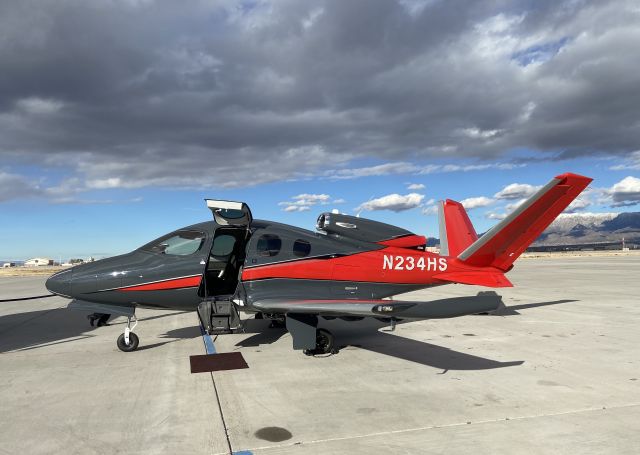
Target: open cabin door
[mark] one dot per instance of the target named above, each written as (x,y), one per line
(224,265)
(230,213)
(228,249)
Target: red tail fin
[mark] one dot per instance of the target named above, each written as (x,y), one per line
(456,230)
(505,242)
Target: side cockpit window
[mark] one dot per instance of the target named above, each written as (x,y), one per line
(181,243)
(268,245)
(301,248)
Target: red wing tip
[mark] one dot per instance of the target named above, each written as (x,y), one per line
(572,176)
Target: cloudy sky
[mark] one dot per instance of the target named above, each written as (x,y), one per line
(118,117)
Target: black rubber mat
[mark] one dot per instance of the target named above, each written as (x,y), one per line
(217,362)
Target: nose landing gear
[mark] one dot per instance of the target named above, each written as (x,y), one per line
(128,341)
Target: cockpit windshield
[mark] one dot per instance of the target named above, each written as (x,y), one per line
(180,243)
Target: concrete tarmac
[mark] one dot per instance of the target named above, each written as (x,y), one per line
(555,371)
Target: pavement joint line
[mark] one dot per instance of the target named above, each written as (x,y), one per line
(448,425)
(210,349)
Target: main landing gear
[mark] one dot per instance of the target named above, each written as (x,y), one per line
(98,319)
(307,336)
(277,322)
(128,341)
(324,343)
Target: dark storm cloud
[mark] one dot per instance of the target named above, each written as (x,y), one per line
(203,93)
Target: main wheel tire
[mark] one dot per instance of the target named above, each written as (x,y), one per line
(324,341)
(133,342)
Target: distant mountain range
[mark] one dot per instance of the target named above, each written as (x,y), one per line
(586,229)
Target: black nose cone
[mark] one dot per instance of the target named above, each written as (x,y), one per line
(60,283)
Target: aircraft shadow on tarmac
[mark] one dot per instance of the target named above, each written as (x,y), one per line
(37,329)
(42,328)
(512,310)
(366,335)
(421,352)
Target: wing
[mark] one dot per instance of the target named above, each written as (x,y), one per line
(434,309)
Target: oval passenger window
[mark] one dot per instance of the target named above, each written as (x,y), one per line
(268,245)
(301,248)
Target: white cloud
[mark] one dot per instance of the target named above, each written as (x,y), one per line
(476,133)
(312,198)
(294,115)
(101,184)
(296,208)
(370,171)
(495,216)
(402,167)
(517,191)
(393,202)
(475,202)
(303,202)
(625,192)
(579,203)
(415,7)
(415,186)
(67,191)
(430,210)
(514,205)
(312,17)
(444,168)
(42,106)
(631,163)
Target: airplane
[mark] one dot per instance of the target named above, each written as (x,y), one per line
(348,268)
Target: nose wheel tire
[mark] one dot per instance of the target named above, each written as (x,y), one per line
(133,342)
(324,343)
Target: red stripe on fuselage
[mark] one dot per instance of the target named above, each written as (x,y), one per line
(176,283)
(369,266)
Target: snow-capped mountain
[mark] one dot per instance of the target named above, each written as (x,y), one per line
(566,221)
(583,228)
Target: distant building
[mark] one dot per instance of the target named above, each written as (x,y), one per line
(38,262)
